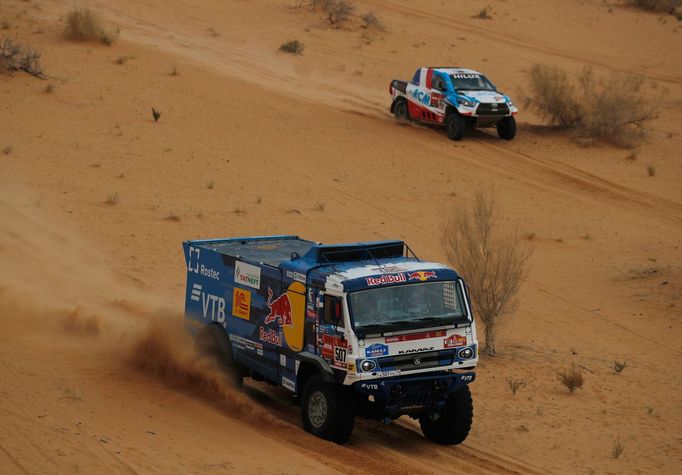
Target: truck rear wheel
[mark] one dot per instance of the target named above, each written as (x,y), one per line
(506,128)
(327,410)
(452,425)
(455,126)
(212,341)
(400,109)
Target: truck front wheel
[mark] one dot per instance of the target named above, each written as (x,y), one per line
(455,126)
(452,425)
(400,109)
(327,410)
(506,128)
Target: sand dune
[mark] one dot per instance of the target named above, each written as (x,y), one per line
(96,373)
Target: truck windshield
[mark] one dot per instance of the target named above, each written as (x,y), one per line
(405,306)
(471,82)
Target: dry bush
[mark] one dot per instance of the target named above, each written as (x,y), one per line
(657,5)
(515,384)
(17,57)
(614,109)
(82,24)
(571,378)
(484,13)
(337,11)
(618,366)
(371,21)
(493,261)
(293,47)
(617,448)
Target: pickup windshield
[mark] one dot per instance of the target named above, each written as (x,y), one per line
(471,82)
(412,305)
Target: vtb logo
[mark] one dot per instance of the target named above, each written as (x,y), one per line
(211,305)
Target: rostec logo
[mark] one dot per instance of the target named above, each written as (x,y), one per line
(241,303)
(247,274)
(421,96)
(193,254)
(422,275)
(211,302)
(387,279)
(280,310)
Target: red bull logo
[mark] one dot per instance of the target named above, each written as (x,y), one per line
(280,310)
(422,275)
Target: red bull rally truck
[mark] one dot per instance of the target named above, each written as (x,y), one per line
(456,98)
(362,329)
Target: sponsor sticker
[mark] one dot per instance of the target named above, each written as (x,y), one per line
(241,303)
(270,336)
(377,349)
(386,279)
(289,384)
(247,274)
(415,336)
(453,341)
(296,276)
(389,374)
(466,76)
(280,310)
(422,275)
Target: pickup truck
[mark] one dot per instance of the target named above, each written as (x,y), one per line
(362,329)
(455,98)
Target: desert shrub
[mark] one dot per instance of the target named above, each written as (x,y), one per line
(492,260)
(618,366)
(617,449)
(614,109)
(337,11)
(657,5)
(371,21)
(293,47)
(484,13)
(82,24)
(515,384)
(17,57)
(571,378)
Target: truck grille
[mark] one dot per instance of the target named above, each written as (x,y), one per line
(488,109)
(430,359)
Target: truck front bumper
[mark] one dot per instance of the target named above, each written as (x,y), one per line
(413,394)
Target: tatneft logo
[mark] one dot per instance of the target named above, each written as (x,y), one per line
(246,274)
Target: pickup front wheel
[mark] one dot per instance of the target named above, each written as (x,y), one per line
(455,126)
(400,109)
(327,410)
(506,128)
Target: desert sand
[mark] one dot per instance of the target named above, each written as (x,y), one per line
(96,374)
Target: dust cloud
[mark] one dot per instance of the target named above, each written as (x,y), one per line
(54,283)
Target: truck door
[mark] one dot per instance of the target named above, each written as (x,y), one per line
(332,332)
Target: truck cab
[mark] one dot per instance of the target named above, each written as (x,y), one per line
(360,329)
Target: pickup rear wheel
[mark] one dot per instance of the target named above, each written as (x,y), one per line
(327,410)
(400,109)
(452,425)
(506,128)
(455,126)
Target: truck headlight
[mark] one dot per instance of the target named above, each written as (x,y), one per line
(368,365)
(510,104)
(466,353)
(465,103)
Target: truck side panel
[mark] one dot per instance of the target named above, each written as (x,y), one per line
(262,310)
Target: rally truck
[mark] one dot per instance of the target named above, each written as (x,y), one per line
(456,98)
(362,329)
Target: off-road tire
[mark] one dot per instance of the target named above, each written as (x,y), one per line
(212,341)
(400,109)
(338,418)
(506,128)
(455,126)
(452,425)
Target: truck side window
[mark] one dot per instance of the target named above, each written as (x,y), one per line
(438,83)
(333,311)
